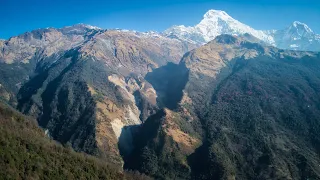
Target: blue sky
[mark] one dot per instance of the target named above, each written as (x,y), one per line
(19,16)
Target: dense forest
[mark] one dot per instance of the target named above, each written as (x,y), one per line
(259,118)
(27,153)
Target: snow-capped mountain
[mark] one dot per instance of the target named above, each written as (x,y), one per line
(298,36)
(214,23)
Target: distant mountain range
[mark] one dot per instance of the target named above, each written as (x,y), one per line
(297,36)
(214,101)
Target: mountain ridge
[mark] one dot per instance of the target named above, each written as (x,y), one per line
(217,22)
(237,105)
(170,108)
(85,85)
(296,36)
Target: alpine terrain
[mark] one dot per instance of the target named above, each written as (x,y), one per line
(219,100)
(297,36)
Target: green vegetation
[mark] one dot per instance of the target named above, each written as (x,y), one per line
(58,97)
(26,153)
(259,118)
(262,122)
(156,154)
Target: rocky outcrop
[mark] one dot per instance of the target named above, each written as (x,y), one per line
(85,85)
(122,118)
(122,52)
(231,109)
(241,104)
(43,42)
(133,52)
(164,140)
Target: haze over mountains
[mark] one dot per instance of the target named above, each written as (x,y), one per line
(216,101)
(297,36)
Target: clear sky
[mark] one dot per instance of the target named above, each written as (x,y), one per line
(19,16)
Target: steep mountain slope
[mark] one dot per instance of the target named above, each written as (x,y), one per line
(247,111)
(26,153)
(26,52)
(43,43)
(297,36)
(260,120)
(263,124)
(84,84)
(20,56)
(234,108)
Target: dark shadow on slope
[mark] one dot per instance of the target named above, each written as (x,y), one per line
(125,142)
(201,167)
(13,76)
(168,81)
(41,74)
(49,94)
(143,134)
(66,108)
(28,90)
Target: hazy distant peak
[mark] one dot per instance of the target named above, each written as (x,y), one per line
(213,24)
(297,36)
(216,13)
(301,26)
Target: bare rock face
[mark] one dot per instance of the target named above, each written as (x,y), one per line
(129,52)
(86,85)
(231,109)
(44,42)
(122,119)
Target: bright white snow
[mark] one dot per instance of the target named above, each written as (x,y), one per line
(215,22)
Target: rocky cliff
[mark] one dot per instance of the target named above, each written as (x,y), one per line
(233,108)
(247,111)
(85,85)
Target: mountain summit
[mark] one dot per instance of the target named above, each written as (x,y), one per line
(301,27)
(297,36)
(214,23)
(234,108)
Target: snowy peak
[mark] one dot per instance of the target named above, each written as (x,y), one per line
(301,26)
(297,36)
(216,14)
(300,29)
(213,24)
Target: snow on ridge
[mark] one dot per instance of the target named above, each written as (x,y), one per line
(82,25)
(213,24)
(93,27)
(296,24)
(142,34)
(217,22)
